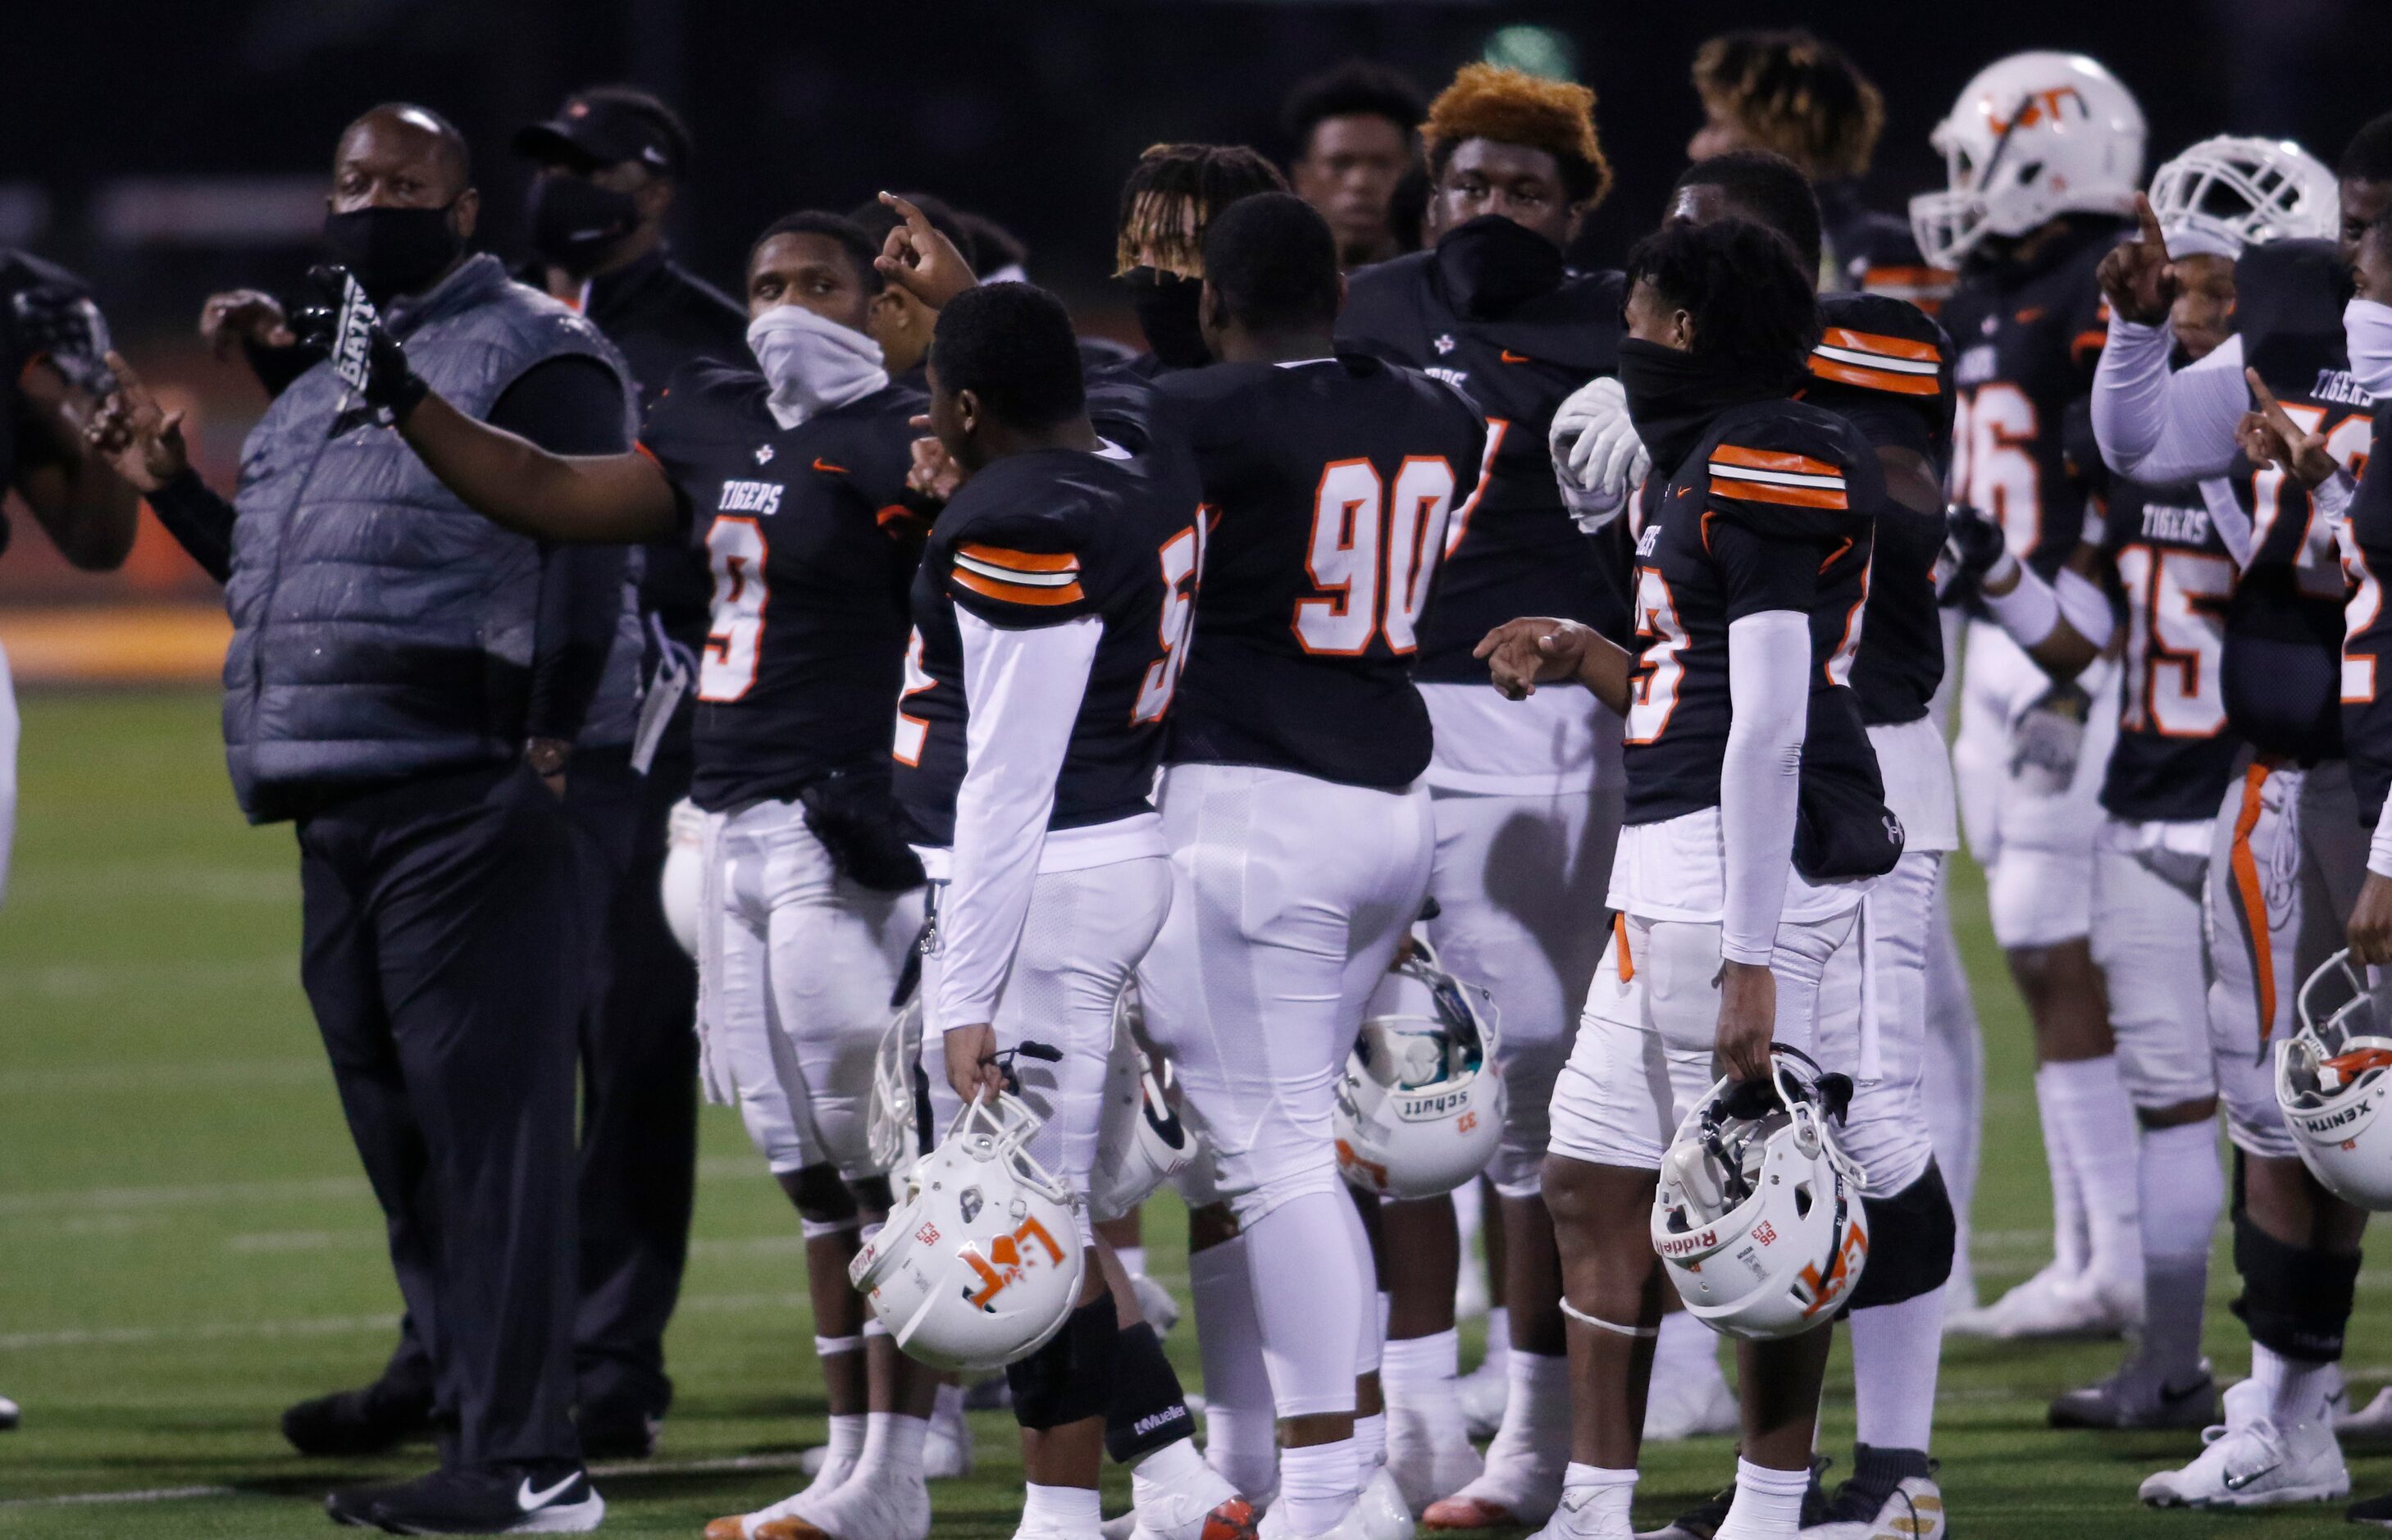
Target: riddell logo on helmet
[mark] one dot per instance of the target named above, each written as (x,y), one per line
(1009,1261)
(1687,1245)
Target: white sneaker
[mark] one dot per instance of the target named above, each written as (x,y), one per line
(1028,1530)
(1691,1406)
(947,1447)
(1914,1511)
(2053,1303)
(2251,1461)
(1483,1392)
(1200,1504)
(749,1526)
(869,1505)
(9,1414)
(1428,1467)
(1575,1518)
(1510,1493)
(1385,1515)
(1277,1525)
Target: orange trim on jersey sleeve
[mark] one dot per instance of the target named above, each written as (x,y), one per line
(1793,497)
(1874,379)
(1774,460)
(1020,594)
(1876,342)
(1021,561)
(642,448)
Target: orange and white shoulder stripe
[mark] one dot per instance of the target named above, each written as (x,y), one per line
(1775,476)
(1020,576)
(1872,361)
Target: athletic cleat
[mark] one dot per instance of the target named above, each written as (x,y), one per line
(1276,1525)
(1483,1392)
(1384,1514)
(1690,1407)
(1575,1518)
(368,1421)
(1426,1467)
(477,1502)
(618,1433)
(1155,1305)
(2053,1303)
(947,1447)
(1703,1521)
(797,1505)
(2250,1462)
(860,1509)
(9,1414)
(1505,1497)
(1201,1506)
(2373,1510)
(2131,1399)
(1913,1509)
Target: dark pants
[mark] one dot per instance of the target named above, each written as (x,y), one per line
(639,1088)
(442,951)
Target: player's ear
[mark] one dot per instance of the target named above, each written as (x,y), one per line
(1212,315)
(654,198)
(465,213)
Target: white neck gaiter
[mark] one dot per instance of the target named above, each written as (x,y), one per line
(812,364)
(2366,330)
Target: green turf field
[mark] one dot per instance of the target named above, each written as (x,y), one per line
(187,1244)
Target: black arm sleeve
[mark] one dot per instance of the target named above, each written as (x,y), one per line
(569,406)
(200,521)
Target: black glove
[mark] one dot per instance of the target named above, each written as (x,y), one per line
(52,321)
(368,358)
(856,818)
(1974,545)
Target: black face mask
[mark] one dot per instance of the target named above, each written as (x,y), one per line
(1673,396)
(575,222)
(1167,306)
(393,251)
(1492,266)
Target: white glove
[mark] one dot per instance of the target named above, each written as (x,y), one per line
(1595,448)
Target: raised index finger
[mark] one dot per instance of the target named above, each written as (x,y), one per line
(2273,410)
(915,220)
(128,379)
(2145,216)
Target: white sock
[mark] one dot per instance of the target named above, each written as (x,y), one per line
(1686,1351)
(1535,1428)
(1768,1503)
(1309,1281)
(1318,1483)
(1072,1509)
(892,1445)
(1605,1495)
(2296,1387)
(1499,1339)
(1417,1375)
(1174,1466)
(2183,1192)
(845,1444)
(1241,1426)
(1895,1351)
(2101,1142)
(949,1408)
(1370,1444)
(2068,1238)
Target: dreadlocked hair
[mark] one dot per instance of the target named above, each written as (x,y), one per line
(1172,194)
(1486,101)
(1795,93)
(1754,307)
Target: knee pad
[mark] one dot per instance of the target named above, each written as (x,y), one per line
(1147,1410)
(1070,1379)
(2297,1301)
(1910,1243)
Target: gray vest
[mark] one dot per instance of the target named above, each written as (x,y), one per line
(380,628)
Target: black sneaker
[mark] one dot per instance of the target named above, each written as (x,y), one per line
(551,1500)
(1703,1521)
(369,1421)
(2374,1510)
(618,1432)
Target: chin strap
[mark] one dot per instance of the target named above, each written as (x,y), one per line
(1597,1322)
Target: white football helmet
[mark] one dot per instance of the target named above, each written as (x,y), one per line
(684,878)
(1142,1141)
(1419,1107)
(2330,1083)
(1758,1218)
(979,1264)
(2033,135)
(2229,192)
(894,1130)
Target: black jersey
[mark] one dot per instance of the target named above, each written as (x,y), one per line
(2367,649)
(1512,548)
(2028,337)
(1043,539)
(1327,488)
(2174,580)
(1885,367)
(1870,252)
(806,638)
(1770,511)
(2285,629)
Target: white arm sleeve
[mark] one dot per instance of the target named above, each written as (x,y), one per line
(2379,849)
(1769,701)
(2161,426)
(1023,689)
(2333,497)
(2228,517)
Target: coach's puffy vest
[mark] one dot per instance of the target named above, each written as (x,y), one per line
(380,627)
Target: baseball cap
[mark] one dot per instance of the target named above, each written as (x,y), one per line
(608,128)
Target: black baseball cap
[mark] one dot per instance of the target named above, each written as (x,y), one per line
(607,127)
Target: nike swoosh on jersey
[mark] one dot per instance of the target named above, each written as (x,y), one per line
(822,464)
(532,1502)
(1510,356)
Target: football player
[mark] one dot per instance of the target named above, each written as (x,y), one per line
(1354,133)
(1170,196)
(2044,153)
(1885,366)
(788,477)
(1803,98)
(2282,872)
(1527,798)
(1731,933)
(1051,615)
(1300,835)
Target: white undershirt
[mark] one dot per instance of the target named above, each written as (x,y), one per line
(2160,425)
(1553,744)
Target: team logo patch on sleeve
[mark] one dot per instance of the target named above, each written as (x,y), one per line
(1775,476)
(1870,361)
(1023,577)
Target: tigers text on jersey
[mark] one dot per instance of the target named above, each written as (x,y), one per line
(1511,549)
(1329,489)
(2367,650)
(807,641)
(1041,539)
(1770,511)
(2175,752)
(2284,627)
(1885,367)
(2028,337)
